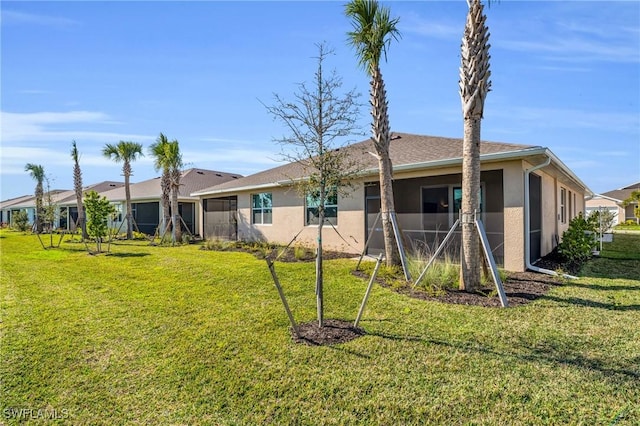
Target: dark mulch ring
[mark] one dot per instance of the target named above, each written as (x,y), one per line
(332,332)
(520,287)
(308,255)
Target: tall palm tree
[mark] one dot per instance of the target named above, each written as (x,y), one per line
(77,187)
(158,151)
(174,161)
(373,30)
(125,152)
(37,173)
(474,86)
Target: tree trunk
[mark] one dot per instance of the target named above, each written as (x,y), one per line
(127,193)
(386,208)
(381,141)
(165,184)
(39,210)
(319,276)
(176,234)
(470,255)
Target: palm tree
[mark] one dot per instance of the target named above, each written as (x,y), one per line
(77,186)
(37,173)
(158,152)
(174,161)
(125,152)
(474,86)
(373,30)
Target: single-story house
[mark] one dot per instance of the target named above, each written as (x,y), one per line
(528,196)
(146,197)
(63,199)
(13,205)
(613,202)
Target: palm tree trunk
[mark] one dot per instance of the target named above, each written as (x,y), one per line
(382,139)
(176,234)
(39,206)
(126,169)
(165,184)
(470,256)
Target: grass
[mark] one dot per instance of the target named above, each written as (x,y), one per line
(627,227)
(177,335)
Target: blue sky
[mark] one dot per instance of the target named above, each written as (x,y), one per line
(566,75)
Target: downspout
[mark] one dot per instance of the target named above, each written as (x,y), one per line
(527,224)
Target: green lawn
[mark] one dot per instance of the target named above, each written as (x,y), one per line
(162,335)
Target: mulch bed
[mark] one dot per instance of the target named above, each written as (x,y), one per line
(520,289)
(332,332)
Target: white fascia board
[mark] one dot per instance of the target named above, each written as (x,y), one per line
(500,156)
(204,193)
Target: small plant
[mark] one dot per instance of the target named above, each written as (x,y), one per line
(601,220)
(578,241)
(442,273)
(302,253)
(21,221)
(98,211)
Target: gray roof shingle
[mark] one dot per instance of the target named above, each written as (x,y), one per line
(192,180)
(622,193)
(405,149)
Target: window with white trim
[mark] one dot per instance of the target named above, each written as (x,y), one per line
(262,208)
(312,203)
(563,205)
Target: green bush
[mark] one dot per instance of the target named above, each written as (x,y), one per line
(578,241)
(601,220)
(21,221)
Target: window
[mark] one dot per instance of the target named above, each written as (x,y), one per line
(330,208)
(570,210)
(441,206)
(261,208)
(457,200)
(563,204)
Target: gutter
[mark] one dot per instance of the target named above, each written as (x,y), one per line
(527,222)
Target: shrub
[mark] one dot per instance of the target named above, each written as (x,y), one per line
(21,221)
(578,241)
(601,220)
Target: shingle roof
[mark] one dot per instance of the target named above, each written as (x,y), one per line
(70,195)
(622,193)
(16,201)
(192,180)
(405,149)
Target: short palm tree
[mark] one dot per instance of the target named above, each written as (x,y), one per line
(77,187)
(174,161)
(125,152)
(158,151)
(474,86)
(37,173)
(373,30)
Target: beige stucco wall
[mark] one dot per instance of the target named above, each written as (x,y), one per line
(514,241)
(289,213)
(289,219)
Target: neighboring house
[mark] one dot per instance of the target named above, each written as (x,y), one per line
(26,203)
(146,196)
(9,207)
(613,202)
(427,191)
(63,199)
(68,205)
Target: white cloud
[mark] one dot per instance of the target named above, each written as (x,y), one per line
(46,127)
(16,17)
